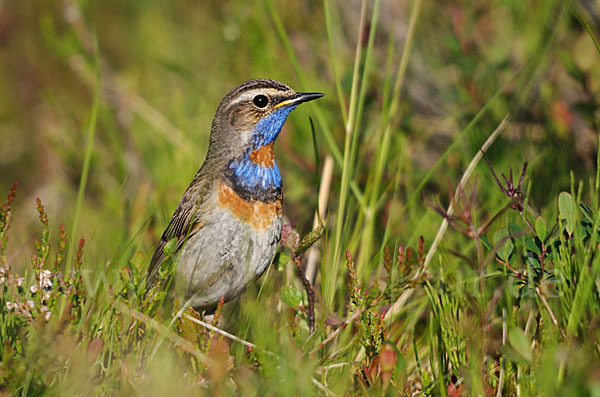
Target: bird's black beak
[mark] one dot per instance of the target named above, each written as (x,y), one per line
(299,98)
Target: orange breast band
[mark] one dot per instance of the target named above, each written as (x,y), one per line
(258,214)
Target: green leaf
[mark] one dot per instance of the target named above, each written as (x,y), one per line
(567,211)
(282,261)
(533,261)
(125,273)
(310,239)
(585,229)
(532,246)
(166,267)
(517,234)
(160,295)
(518,340)
(507,247)
(170,246)
(511,354)
(137,261)
(540,228)
(486,243)
(291,296)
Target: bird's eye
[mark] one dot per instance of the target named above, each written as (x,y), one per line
(260,101)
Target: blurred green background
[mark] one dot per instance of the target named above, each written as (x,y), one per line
(164,68)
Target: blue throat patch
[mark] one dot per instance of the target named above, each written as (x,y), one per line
(267,129)
(252,177)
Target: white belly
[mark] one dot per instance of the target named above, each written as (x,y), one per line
(223,257)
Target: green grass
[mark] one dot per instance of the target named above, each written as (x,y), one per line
(430,279)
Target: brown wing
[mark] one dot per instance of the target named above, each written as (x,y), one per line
(184,223)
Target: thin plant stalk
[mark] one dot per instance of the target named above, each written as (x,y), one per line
(87,159)
(383,148)
(330,276)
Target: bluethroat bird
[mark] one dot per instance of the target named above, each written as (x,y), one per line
(228,223)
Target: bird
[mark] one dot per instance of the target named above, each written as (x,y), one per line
(227,226)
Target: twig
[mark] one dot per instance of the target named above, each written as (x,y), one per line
(461,185)
(321,387)
(547,306)
(442,230)
(333,366)
(332,335)
(165,332)
(309,292)
(501,378)
(516,273)
(226,334)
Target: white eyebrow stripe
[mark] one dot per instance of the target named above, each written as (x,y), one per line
(245,96)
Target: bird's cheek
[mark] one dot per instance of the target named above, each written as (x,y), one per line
(245,138)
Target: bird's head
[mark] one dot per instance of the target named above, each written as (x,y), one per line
(252,115)
(247,123)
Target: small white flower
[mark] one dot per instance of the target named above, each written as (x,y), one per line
(46,297)
(20,281)
(10,305)
(30,304)
(2,271)
(46,279)
(2,280)
(44,310)
(33,289)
